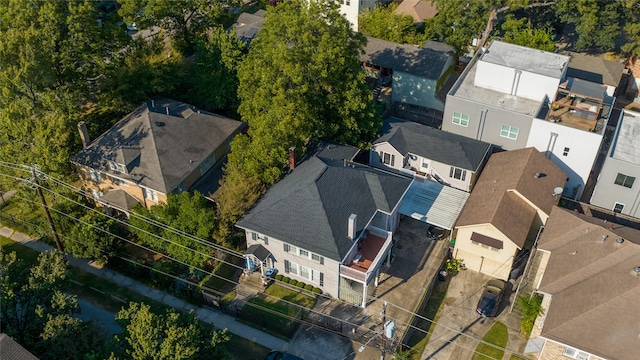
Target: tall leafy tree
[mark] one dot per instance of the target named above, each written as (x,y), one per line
(94,237)
(33,296)
(215,79)
(186,20)
(598,23)
(520,32)
(171,335)
(184,212)
(301,81)
(383,23)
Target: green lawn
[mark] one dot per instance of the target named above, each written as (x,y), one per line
(280,292)
(238,347)
(497,335)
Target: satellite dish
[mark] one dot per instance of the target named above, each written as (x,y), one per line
(557,191)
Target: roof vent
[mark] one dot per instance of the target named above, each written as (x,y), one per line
(537,175)
(636,270)
(619,241)
(159,123)
(604,238)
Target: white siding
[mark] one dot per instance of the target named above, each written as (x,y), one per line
(527,85)
(376,161)
(583,148)
(495,263)
(354,8)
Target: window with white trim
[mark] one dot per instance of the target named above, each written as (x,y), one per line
(386,158)
(625,180)
(618,207)
(575,353)
(150,194)
(303,253)
(304,272)
(509,132)
(460,119)
(457,173)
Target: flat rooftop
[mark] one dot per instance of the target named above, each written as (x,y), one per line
(467,90)
(527,59)
(627,143)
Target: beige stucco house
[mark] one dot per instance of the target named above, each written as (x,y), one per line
(510,202)
(589,276)
(162,147)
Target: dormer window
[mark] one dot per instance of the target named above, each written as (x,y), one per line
(120,168)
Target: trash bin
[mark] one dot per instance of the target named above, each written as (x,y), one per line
(442,275)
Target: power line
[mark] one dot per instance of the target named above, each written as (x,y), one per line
(187,248)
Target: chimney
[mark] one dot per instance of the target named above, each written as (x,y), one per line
(292,158)
(352,227)
(84,134)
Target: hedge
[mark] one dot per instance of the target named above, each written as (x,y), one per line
(286,279)
(317,290)
(301,284)
(279,277)
(308,287)
(293,282)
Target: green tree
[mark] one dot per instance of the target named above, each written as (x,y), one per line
(520,32)
(67,337)
(166,336)
(459,21)
(383,23)
(302,80)
(598,23)
(94,237)
(531,307)
(31,297)
(191,215)
(186,21)
(215,79)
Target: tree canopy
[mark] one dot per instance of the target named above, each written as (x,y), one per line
(520,32)
(170,335)
(188,214)
(383,23)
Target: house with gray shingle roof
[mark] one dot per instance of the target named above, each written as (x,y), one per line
(511,200)
(328,223)
(164,146)
(11,350)
(415,149)
(415,71)
(248,25)
(589,276)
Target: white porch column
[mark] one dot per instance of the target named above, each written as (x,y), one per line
(364,296)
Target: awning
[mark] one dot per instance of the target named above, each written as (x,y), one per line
(433,203)
(259,252)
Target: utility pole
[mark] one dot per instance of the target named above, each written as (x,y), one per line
(384,335)
(46,210)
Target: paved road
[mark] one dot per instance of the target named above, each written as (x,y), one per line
(105,318)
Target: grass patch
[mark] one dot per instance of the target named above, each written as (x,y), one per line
(498,336)
(239,348)
(419,340)
(517,357)
(296,297)
(272,315)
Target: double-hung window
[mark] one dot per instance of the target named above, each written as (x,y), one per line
(460,119)
(509,132)
(388,159)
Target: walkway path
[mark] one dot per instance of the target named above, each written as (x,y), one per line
(211,316)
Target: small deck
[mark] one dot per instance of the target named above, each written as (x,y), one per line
(368,249)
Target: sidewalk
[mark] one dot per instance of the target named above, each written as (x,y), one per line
(220,320)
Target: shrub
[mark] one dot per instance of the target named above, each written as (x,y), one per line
(286,279)
(279,277)
(317,290)
(531,307)
(301,285)
(453,266)
(293,282)
(308,287)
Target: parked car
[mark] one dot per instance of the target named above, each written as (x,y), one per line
(489,303)
(279,355)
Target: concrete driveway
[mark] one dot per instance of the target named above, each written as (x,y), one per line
(416,260)
(459,328)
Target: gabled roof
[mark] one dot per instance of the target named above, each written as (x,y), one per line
(11,350)
(427,62)
(595,69)
(594,305)
(418,9)
(311,206)
(248,25)
(119,199)
(441,146)
(172,139)
(509,178)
